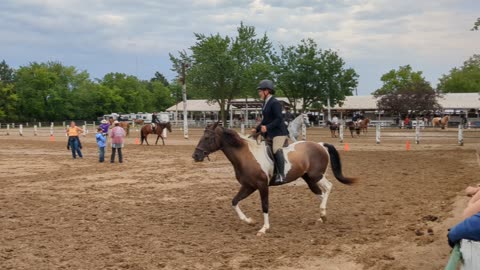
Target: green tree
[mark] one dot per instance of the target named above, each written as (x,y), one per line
(8,96)
(396,79)
(405,91)
(134,94)
(7,74)
(45,90)
(160,78)
(317,77)
(465,79)
(224,68)
(8,100)
(476,25)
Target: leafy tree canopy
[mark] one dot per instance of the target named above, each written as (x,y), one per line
(465,79)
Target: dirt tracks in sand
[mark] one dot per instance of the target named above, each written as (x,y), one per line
(159,209)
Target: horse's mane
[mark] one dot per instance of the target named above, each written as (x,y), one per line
(232,138)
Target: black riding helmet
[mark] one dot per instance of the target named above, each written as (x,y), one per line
(266,84)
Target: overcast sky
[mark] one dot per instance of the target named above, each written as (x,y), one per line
(135,37)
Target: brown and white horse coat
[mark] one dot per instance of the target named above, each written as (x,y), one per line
(254,168)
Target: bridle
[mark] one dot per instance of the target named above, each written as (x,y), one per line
(206,153)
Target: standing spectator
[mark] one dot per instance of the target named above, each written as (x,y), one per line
(101,141)
(406,122)
(117,135)
(73,141)
(104,125)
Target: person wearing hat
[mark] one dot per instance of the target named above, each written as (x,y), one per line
(273,127)
(117,135)
(104,125)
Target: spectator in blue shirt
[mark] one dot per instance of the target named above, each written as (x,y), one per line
(468,229)
(101,141)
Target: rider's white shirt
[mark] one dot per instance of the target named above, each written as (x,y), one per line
(335,120)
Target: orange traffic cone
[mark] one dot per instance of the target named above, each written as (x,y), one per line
(346,147)
(408,145)
(52,138)
(137,141)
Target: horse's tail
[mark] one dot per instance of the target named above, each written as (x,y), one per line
(142,135)
(337,165)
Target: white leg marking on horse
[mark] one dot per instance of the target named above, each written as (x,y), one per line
(266,225)
(241,215)
(326,187)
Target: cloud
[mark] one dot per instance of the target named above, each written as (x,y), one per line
(369,34)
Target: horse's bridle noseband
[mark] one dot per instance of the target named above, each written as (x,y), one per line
(205,152)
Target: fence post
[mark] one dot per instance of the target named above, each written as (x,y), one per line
(84,128)
(242,128)
(340,132)
(63,124)
(460,134)
(377,133)
(20,130)
(39,124)
(34,130)
(8,129)
(304,131)
(13,125)
(417,133)
(51,129)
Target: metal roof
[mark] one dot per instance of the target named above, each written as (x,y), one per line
(447,101)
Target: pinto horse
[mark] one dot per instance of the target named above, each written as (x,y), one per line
(333,128)
(254,167)
(296,124)
(353,126)
(441,121)
(147,129)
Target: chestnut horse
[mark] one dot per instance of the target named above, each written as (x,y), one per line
(363,124)
(441,121)
(147,129)
(254,167)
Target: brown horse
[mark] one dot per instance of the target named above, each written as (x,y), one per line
(363,124)
(254,167)
(147,129)
(333,128)
(139,121)
(441,121)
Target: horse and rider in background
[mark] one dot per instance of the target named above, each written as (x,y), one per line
(295,126)
(441,122)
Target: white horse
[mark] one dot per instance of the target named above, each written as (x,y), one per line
(295,126)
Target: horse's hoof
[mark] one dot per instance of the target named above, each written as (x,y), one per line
(260,234)
(249,221)
(322,219)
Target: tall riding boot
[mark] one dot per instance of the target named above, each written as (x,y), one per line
(280,167)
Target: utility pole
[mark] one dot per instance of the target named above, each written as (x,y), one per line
(184,94)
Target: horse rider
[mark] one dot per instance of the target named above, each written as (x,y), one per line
(155,121)
(335,119)
(273,126)
(288,116)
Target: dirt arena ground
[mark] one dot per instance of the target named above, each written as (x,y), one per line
(160,210)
